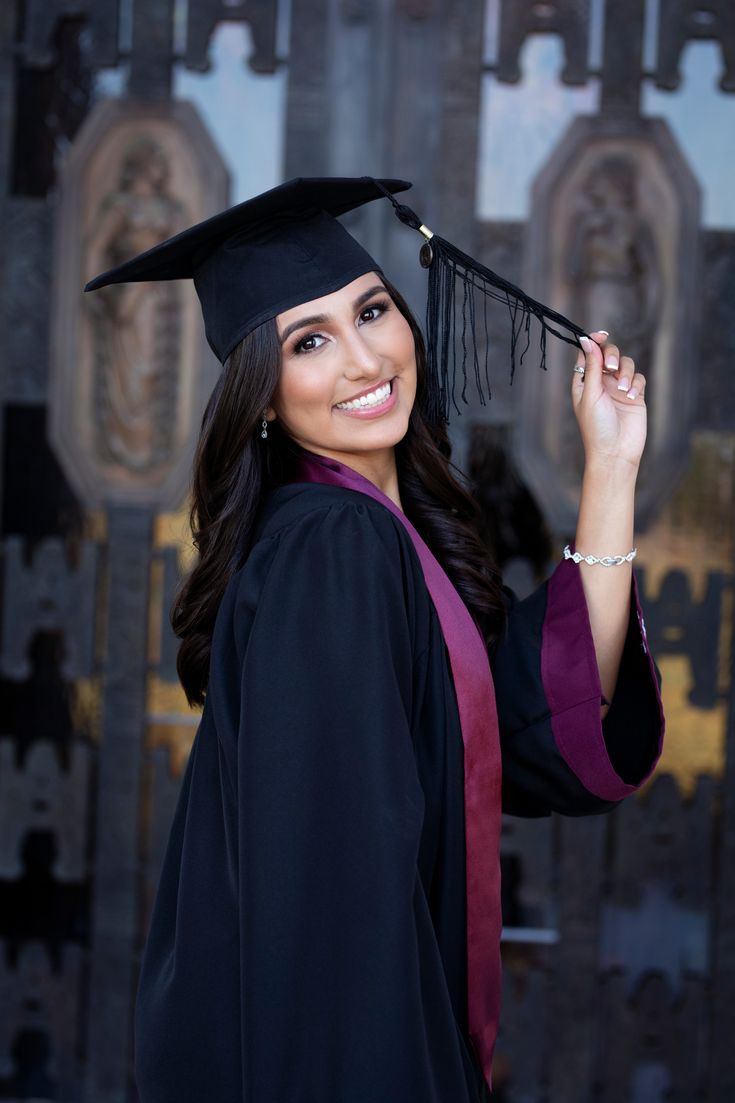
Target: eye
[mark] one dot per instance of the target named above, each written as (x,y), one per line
(308,343)
(372,312)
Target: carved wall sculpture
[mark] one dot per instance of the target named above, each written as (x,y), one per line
(613,241)
(612,260)
(136,326)
(131,369)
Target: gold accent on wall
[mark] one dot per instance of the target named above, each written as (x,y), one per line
(177,738)
(695,738)
(171,723)
(695,534)
(95,526)
(173,528)
(168,698)
(85,708)
(696,529)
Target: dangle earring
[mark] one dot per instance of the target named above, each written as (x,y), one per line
(264,429)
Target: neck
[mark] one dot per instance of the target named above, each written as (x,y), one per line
(378,467)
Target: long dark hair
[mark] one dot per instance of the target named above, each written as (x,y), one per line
(234,470)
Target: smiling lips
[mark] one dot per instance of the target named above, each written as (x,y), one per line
(371,404)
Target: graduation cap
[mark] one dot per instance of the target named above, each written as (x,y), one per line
(286,246)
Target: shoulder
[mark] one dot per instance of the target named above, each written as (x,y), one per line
(329,549)
(306,504)
(333,517)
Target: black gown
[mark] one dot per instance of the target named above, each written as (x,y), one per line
(308,938)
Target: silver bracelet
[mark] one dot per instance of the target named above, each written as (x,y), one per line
(606,561)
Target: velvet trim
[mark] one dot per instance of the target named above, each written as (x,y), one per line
(475,694)
(572,685)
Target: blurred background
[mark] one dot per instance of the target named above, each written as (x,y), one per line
(584,148)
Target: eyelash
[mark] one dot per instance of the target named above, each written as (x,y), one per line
(380,306)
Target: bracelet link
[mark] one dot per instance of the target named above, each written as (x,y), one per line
(604,561)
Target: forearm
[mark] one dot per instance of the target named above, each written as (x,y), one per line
(605,527)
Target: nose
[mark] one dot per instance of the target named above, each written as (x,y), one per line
(361,359)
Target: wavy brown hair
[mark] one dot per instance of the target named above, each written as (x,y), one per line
(234,471)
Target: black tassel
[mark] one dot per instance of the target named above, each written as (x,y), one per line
(455,280)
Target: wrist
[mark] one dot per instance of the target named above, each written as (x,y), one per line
(607,469)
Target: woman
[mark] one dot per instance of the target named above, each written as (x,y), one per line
(327,922)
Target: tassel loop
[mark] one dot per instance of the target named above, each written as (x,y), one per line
(404,213)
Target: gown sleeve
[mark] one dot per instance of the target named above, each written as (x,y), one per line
(558,754)
(330,812)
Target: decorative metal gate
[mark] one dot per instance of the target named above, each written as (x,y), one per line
(620,931)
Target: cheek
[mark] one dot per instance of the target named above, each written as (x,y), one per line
(300,387)
(405,347)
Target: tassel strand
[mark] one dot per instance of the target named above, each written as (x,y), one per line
(447,265)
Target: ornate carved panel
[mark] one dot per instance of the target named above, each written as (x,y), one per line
(43,17)
(680,625)
(26,285)
(130,369)
(656,916)
(48,595)
(41,1006)
(574,997)
(689,19)
(527,863)
(41,796)
(567,18)
(204,16)
(614,243)
(651,1052)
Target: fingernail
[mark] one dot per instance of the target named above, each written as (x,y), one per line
(586,343)
(623,384)
(632,393)
(604,332)
(611,362)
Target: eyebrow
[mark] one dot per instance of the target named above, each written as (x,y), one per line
(320,319)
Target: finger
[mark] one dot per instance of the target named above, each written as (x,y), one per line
(592,367)
(599,336)
(578,375)
(611,355)
(626,373)
(637,387)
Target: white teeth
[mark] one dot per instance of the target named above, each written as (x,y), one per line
(373,399)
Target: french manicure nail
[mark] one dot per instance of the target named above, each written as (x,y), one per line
(604,332)
(632,393)
(611,362)
(623,385)
(586,343)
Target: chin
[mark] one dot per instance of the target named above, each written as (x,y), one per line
(370,442)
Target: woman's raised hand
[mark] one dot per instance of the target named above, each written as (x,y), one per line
(609,402)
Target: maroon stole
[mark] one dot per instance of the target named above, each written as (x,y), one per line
(473,686)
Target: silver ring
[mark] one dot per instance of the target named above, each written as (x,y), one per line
(579,369)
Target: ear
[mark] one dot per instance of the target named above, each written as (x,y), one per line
(270,413)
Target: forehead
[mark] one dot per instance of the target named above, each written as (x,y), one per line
(328,304)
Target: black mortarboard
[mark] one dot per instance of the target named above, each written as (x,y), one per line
(286,247)
(261,257)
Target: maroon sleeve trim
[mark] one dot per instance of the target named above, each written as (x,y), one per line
(572,686)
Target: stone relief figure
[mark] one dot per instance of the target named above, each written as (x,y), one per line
(612,263)
(136,326)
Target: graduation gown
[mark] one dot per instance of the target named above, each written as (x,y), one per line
(308,938)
